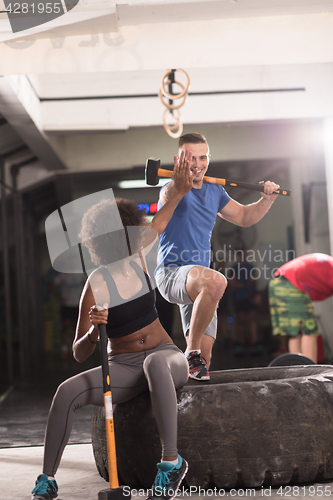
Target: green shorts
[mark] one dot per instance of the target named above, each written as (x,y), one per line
(290,309)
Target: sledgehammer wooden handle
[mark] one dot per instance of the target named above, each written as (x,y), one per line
(227,182)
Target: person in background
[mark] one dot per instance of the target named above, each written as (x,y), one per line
(291,292)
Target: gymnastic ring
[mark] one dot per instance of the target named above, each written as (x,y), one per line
(172,106)
(174,135)
(177,118)
(168,128)
(174,96)
(185,88)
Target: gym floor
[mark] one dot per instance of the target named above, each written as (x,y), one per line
(24,409)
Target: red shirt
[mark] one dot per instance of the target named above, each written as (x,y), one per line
(312,273)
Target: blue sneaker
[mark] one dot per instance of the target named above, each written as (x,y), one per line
(45,489)
(168,479)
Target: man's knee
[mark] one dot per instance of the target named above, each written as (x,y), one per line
(215,286)
(203,280)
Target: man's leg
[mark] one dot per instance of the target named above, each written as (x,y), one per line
(205,288)
(309,347)
(209,336)
(197,290)
(206,349)
(294,344)
(304,315)
(286,307)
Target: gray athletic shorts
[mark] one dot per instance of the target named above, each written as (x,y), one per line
(171,283)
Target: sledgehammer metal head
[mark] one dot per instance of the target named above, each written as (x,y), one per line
(152,166)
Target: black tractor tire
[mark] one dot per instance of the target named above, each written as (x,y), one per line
(243,428)
(289,359)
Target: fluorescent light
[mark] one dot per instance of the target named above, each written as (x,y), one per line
(140,183)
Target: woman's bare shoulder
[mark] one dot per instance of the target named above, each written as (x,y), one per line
(96,288)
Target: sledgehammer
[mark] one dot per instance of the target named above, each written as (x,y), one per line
(153,172)
(115,492)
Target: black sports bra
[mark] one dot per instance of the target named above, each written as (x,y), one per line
(129,315)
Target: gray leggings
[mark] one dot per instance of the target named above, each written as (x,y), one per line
(158,370)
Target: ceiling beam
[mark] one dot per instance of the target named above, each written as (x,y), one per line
(239,95)
(14,111)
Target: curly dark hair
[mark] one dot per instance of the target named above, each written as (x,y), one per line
(101,230)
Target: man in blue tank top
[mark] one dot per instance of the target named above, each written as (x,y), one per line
(183,275)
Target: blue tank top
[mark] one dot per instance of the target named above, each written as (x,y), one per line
(130,315)
(186,239)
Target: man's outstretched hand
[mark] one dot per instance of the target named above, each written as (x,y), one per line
(182,175)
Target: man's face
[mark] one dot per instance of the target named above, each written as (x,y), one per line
(200,159)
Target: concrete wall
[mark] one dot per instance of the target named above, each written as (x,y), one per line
(227,142)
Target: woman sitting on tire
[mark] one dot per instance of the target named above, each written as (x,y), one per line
(142,355)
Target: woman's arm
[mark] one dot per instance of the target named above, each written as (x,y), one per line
(86,334)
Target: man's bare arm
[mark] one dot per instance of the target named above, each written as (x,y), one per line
(247,215)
